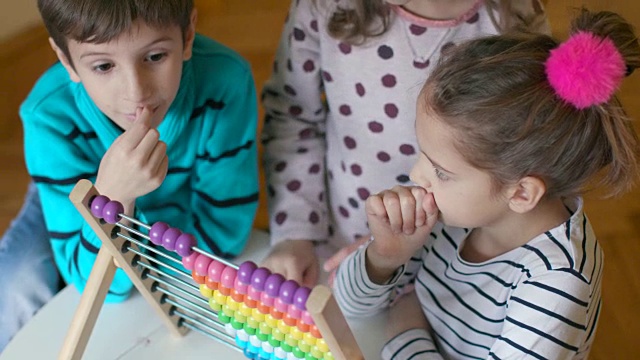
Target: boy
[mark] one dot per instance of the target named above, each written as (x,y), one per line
(158,117)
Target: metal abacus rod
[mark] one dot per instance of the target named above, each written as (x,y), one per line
(180,303)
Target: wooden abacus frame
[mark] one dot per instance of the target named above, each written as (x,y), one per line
(320,304)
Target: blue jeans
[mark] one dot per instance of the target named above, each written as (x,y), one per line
(28,274)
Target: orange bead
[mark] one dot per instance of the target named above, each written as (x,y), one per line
(197,278)
(224,290)
(210,283)
(302,326)
(313,330)
(289,320)
(250,302)
(237,297)
(275,313)
(264,308)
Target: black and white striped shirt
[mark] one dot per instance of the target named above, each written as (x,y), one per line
(538,301)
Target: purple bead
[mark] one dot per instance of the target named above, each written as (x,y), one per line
(169,238)
(111,211)
(184,243)
(287,290)
(258,278)
(97,204)
(245,270)
(300,297)
(272,285)
(156,232)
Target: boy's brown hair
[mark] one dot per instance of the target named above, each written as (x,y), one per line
(99,21)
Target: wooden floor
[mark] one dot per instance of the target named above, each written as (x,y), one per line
(252,28)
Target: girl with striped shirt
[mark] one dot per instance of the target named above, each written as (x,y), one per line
(493,236)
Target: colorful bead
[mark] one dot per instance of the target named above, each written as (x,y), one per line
(228,277)
(309,338)
(245,270)
(184,244)
(157,231)
(190,261)
(214,272)
(322,345)
(97,204)
(202,264)
(205,291)
(272,288)
(111,212)
(287,291)
(300,297)
(197,278)
(169,240)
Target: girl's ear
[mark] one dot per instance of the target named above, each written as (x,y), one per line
(526,194)
(189,36)
(65,61)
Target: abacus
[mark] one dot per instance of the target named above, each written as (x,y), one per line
(246,307)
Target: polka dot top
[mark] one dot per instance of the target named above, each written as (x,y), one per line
(339,121)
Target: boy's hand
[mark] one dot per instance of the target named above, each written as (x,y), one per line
(400,221)
(295,260)
(135,164)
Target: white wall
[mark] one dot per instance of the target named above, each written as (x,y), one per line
(17,16)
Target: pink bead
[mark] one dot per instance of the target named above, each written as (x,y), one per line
(306,318)
(294,311)
(254,293)
(111,211)
(280,305)
(189,262)
(169,238)
(184,243)
(228,277)
(97,204)
(214,272)
(266,299)
(202,265)
(157,230)
(239,286)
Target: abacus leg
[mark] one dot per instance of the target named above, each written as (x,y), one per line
(334,328)
(89,308)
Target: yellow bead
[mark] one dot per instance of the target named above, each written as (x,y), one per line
(256,314)
(265,329)
(252,322)
(288,338)
(233,305)
(205,291)
(277,334)
(245,310)
(328,356)
(322,346)
(227,311)
(273,323)
(219,298)
(284,328)
(310,339)
(316,353)
(296,333)
(214,305)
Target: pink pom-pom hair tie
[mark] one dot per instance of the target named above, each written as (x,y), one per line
(585,70)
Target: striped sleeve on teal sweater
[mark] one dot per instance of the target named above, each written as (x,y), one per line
(211,189)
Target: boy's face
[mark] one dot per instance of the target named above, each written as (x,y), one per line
(140,68)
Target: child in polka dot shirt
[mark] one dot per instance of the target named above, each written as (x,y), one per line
(340,111)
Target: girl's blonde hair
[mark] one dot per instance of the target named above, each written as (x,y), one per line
(371,18)
(493,92)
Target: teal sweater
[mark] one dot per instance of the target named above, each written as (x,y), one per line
(211,189)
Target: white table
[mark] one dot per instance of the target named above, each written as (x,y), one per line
(132,330)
